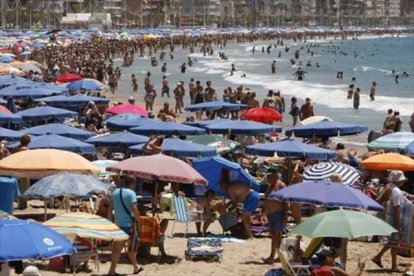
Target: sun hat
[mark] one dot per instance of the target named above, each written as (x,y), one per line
(31,271)
(397,176)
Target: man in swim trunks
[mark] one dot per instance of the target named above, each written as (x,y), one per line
(276,213)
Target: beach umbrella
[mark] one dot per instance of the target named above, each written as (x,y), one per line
(388,161)
(66,184)
(102,165)
(126,121)
(86,225)
(28,92)
(409,149)
(215,105)
(10,71)
(262,115)
(6,59)
(291,149)
(396,141)
(127,108)
(121,139)
(68,77)
(166,128)
(205,123)
(327,193)
(39,163)
(159,167)
(343,224)
(53,141)
(314,119)
(29,240)
(2,102)
(6,80)
(60,129)
(76,100)
(7,54)
(9,118)
(211,168)
(84,85)
(27,67)
(242,127)
(46,113)
(179,148)
(11,135)
(11,106)
(4,109)
(325,129)
(325,170)
(218,142)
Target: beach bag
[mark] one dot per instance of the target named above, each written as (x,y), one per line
(228,220)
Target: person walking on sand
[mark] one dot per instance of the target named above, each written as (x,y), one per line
(165,87)
(357,95)
(177,97)
(373,91)
(126,214)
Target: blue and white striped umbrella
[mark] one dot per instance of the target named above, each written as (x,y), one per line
(324,170)
(397,141)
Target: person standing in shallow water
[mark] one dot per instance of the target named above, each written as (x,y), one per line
(373,91)
(356,98)
(294,110)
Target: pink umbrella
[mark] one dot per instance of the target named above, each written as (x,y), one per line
(127,108)
(159,167)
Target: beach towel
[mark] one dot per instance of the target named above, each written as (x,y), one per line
(204,247)
(405,244)
(150,230)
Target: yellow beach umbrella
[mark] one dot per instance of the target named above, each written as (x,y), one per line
(10,70)
(388,161)
(43,162)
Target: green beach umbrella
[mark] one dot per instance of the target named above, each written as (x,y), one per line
(343,224)
(217,141)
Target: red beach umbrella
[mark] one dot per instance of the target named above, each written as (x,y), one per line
(159,167)
(127,108)
(68,77)
(262,115)
(4,109)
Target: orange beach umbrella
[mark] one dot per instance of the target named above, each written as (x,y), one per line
(388,161)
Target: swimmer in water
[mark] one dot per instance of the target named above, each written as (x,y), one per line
(397,79)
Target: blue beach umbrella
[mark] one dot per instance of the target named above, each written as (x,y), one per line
(32,92)
(205,123)
(409,149)
(290,149)
(3,102)
(126,121)
(166,128)
(396,141)
(8,80)
(29,240)
(215,105)
(242,127)
(52,141)
(121,139)
(66,184)
(10,135)
(76,100)
(84,84)
(211,169)
(6,59)
(9,118)
(327,193)
(325,128)
(46,113)
(60,129)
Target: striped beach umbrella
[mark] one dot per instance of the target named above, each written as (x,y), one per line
(397,141)
(324,170)
(86,225)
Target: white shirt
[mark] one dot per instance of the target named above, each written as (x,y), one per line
(397,196)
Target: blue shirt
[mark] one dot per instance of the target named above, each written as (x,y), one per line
(129,197)
(9,190)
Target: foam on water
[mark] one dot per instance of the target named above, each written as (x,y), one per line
(369,68)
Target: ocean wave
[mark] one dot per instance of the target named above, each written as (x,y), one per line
(369,68)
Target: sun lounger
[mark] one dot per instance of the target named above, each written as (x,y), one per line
(292,269)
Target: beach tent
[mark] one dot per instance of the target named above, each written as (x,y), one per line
(325,129)
(46,113)
(122,139)
(60,129)
(166,128)
(242,127)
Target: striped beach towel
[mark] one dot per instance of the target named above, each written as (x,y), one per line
(150,230)
(406,237)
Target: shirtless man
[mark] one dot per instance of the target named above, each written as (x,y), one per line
(276,213)
(306,110)
(166,114)
(165,87)
(240,193)
(192,89)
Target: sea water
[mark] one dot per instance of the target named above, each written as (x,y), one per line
(368,59)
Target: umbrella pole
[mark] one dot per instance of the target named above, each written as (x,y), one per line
(154,199)
(45,214)
(289,171)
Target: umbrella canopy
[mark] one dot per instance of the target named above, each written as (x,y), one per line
(159,167)
(76,100)
(327,193)
(60,129)
(86,226)
(3,102)
(127,108)
(242,127)
(68,77)
(66,184)
(166,128)
(42,162)
(211,168)
(388,161)
(120,139)
(9,118)
(325,129)
(27,67)
(12,80)
(84,85)
(46,113)
(343,224)
(10,135)
(126,121)
(314,119)
(325,170)
(409,149)
(179,148)
(262,115)
(396,141)
(216,141)
(6,59)
(102,165)
(29,240)
(215,105)
(291,149)
(5,109)
(29,92)
(53,141)
(205,123)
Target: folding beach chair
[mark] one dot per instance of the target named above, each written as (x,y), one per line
(179,207)
(292,269)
